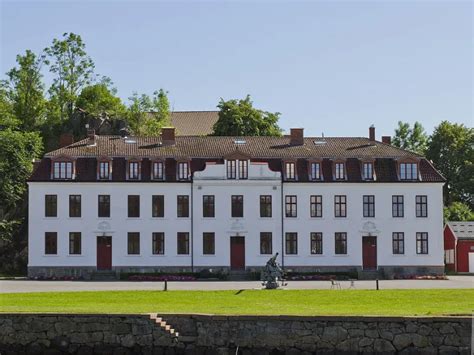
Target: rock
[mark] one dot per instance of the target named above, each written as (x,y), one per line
(383,346)
(420,341)
(128,340)
(354,333)
(424,330)
(448,350)
(120,328)
(365,342)
(61,343)
(85,350)
(372,333)
(387,335)
(446,329)
(452,340)
(348,345)
(65,327)
(411,327)
(401,341)
(334,334)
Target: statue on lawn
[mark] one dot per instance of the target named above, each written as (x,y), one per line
(273,275)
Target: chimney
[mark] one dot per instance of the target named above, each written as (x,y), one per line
(168,135)
(91,136)
(296,136)
(65,139)
(387,139)
(372,133)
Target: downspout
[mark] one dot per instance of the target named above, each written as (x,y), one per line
(282,227)
(192,225)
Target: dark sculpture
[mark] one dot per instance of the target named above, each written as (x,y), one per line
(273,275)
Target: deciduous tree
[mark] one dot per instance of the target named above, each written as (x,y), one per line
(413,139)
(458,211)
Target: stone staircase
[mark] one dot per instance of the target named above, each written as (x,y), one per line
(238,275)
(165,326)
(104,276)
(369,274)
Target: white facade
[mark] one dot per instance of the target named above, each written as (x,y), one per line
(212,181)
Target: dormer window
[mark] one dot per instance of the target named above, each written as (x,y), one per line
(158,170)
(368,171)
(339,173)
(133,170)
(183,171)
(408,171)
(231,169)
(290,171)
(104,170)
(243,169)
(62,170)
(315,171)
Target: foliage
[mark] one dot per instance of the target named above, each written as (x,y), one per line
(240,118)
(413,139)
(73,70)
(451,148)
(7,117)
(458,211)
(148,115)
(99,98)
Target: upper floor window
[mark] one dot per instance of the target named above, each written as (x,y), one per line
(316,205)
(265,205)
(422,206)
(408,171)
(104,170)
(340,206)
(158,206)
(133,206)
(133,170)
(62,170)
(104,206)
(183,206)
(208,206)
(243,169)
(290,206)
(315,171)
(74,205)
(183,171)
(237,208)
(339,171)
(368,171)
(397,206)
(231,169)
(290,172)
(369,205)
(50,205)
(158,171)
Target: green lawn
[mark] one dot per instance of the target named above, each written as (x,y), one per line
(272,302)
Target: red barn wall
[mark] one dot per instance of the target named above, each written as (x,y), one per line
(464,248)
(449,243)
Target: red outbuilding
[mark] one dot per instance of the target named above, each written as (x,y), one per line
(459,246)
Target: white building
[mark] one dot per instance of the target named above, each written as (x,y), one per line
(189,203)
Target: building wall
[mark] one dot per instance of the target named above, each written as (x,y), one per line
(464,247)
(449,248)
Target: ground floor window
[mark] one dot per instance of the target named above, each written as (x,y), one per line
(51,243)
(208,243)
(75,243)
(133,243)
(449,256)
(158,243)
(183,243)
(340,243)
(265,243)
(291,243)
(422,243)
(398,243)
(316,243)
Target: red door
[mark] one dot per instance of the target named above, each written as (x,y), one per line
(237,253)
(369,253)
(104,253)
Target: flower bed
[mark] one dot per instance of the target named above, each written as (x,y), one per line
(161,278)
(420,277)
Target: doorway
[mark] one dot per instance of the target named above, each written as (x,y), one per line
(369,253)
(237,253)
(104,253)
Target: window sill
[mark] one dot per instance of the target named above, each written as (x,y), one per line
(208,255)
(341,255)
(75,255)
(133,255)
(50,218)
(158,218)
(183,255)
(99,218)
(51,255)
(74,218)
(316,255)
(157,255)
(133,218)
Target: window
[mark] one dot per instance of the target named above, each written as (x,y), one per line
(339,175)
(50,205)
(265,243)
(237,206)
(208,206)
(316,243)
(422,206)
(265,205)
(316,205)
(368,171)
(133,243)
(158,243)
(231,169)
(183,171)
(290,171)
(62,170)
(291,244)
(183,206)
(104,206)
(243,169)
(449,256)
(340,206)
(104,170)
(133,170)
(158,206)
(133,206)
(369,205)
(158,172)
(183,243)
(74,205)
(208,244)
(422,243)
(315,171)
(398,243)
(290,206)
(408,171)
(340,243)
(397,206)
(75,243)
(51,243)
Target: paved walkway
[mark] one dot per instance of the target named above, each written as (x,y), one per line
(51,286)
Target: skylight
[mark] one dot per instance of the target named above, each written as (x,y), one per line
(239,141)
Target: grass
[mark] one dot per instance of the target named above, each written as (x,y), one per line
(248,302)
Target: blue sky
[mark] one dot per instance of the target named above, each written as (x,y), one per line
(328,66)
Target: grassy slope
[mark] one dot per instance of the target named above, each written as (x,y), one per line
(294,302)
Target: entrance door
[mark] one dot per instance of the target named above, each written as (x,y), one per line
(369,253)
(237,253)
(471,262)
(104,253)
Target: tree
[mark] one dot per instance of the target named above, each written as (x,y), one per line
(458,211)
(162,106)
(148,115)
(451,148)
(98,98)
(413,139)
(7,118)
(25,90)
(73,70)
(240,118)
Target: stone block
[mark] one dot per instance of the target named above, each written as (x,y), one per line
(383,346)
(334,334)
(372,333)
(401,341)
(446,329)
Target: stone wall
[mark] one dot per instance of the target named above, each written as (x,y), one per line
(201,334)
